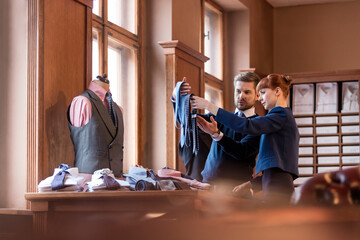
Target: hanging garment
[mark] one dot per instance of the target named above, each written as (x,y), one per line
(350,97)
(303,95)
(326,98)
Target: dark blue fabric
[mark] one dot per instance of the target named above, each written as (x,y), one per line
(194,131)
(111,108)
(231,158)
(213,161)
(279,143)
(192,155)
(194,164)
(277,185)
(186,120)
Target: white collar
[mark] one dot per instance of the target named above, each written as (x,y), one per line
(248,112)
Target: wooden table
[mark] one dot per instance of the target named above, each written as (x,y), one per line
(54,209)
(164,215)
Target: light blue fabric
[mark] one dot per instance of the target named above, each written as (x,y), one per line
(182,115)
(136,174)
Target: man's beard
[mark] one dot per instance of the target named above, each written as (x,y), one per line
(245,107)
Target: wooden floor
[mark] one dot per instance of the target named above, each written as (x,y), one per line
(15,224)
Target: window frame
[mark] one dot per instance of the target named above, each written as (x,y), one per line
(209,78)
(134,42)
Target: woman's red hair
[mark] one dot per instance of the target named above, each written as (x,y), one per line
(273,81)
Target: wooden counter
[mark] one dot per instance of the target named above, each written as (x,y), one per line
(81,208)
(164,215)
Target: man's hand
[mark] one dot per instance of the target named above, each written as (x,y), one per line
(208,127)
(201,103)
(184,89)
(244,190)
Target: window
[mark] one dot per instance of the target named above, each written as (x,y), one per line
(213,40)
(123,14)
(96,7)
(95,53)
(115,45)
(214,95)
(213,48)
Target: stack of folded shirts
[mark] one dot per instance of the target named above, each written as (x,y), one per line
(71,182)
(98,183)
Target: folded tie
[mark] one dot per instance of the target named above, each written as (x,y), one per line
(111,108)
(59,178)
(194,130)
(110,183)
(143,185)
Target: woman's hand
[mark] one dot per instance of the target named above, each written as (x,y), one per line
(201,103)
(208,127)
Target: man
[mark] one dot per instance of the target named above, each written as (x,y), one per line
(232,155)
(97,129)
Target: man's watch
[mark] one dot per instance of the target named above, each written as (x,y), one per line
(215,135)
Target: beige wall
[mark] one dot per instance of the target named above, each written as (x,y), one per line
(261,36)
(250,42)
(186,21)
(317,38)
(159,15)
(238,44)
(13,60)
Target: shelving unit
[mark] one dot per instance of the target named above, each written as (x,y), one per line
(328,142)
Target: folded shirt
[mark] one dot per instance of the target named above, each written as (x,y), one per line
(71,181)
(97,180)
(193,183)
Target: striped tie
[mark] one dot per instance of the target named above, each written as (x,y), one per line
(240,114)
(111,108)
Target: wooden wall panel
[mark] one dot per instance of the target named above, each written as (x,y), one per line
(181,60)
(193,75)
(58,68)
(64,75)
(35,94)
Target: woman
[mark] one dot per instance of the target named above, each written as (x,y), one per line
(279,144)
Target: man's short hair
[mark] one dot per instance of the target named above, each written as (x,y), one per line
(247,77)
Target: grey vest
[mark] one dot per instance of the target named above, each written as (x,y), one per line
(98,144)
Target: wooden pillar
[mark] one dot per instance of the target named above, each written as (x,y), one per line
(40,218)
(181,61)
(59,68)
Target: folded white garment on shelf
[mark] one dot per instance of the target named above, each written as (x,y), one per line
(71,181)
(97,180)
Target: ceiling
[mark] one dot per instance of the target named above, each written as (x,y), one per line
(287,3)
(234,5)
(231,5)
